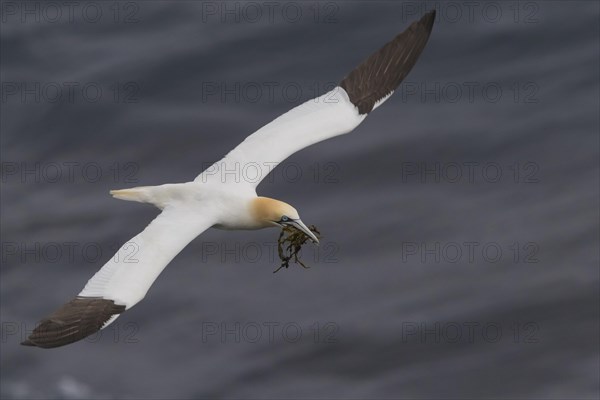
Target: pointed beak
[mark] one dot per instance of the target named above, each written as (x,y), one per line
(298,224)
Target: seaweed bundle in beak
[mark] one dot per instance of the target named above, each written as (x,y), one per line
(290,243)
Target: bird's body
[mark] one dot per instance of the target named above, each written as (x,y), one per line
(224,195)
(231,207)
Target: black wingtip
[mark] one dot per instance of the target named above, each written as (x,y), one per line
(381,73)
(74,321)
(428,19)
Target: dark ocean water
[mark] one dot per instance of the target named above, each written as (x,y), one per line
(460,220)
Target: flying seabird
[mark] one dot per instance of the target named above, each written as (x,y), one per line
(223,200)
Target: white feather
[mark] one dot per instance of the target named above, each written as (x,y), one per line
(128,275)
(324,117)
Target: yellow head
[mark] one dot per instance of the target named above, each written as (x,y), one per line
(271,212)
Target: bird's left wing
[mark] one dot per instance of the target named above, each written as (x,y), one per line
(334,113)
(124,279)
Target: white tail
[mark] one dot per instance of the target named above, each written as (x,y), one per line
(159,195)
(141,194)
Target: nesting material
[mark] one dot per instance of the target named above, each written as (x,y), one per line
(290,243)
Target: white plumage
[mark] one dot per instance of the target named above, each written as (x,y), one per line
(128,275)
(221,198)
(324,117)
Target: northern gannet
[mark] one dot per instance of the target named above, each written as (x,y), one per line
(223,200)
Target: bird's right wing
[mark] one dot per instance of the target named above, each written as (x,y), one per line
(332,114)
(124,279)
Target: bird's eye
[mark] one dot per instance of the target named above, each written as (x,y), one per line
(285,218)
